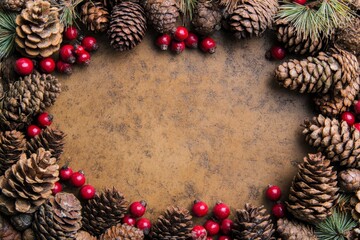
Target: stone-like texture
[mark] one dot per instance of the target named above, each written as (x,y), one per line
(169,129)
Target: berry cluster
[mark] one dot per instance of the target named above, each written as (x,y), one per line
(273,193)
(353,118)
(134,218)
(183,38)
(42,121)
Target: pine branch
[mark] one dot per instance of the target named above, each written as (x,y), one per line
(7,33)
(187,8)
(68,13)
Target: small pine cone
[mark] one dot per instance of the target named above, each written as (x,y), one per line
(21,221)
(176,223)
(293,230)
(58,218)
(314,190)
(251,18)
(39,30)
(12,145)
(355,203)
(349,180)
(348,37)
(95,16)
(252,223)
(103,211)
(7,232)
(50,139)
(162,15)
(82,235)
(28,183)
(207,17)
(127,26)
(122,232)
(28,234)
(338,141)
(13,5)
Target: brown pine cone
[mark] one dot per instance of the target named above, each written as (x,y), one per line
(349,180)
(21,221)
(28,234)
(82,235)
(13,5)
(110,3)
(293,230)
(7,232)
(207,17)
(355,203)
(95,16)
(348,37)
(12,145)
(122,232)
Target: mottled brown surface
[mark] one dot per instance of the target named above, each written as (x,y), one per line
(170,129)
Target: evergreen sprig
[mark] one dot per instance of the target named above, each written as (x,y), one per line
(187,8)
(68,13)
(335,227)
(317,18)
(7,33)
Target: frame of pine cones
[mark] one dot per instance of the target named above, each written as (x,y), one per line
(324,199)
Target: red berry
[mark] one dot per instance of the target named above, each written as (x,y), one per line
(65,173)
(144,224)
(163,41)
(177,47)
(357,126)
(77,179)
(47,65)
(348,117)
(224,238)
(45,119)
(71,33)
(181,33)
(357,107)
(89,44)
(87,192)
(198,232)
(278,210)
(84,58)
(278,52)
(24,66)
(209,238)
(57,188)
(208,45)
(226,226)
(64,67)
(33,131)
(212,227)
(200,208)
(67,53)
(78,49)
(221,211)
(129,220)
(137,209)
(192,41)
(302,2)
(273,193)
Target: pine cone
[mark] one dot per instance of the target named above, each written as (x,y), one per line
(176,223)
(314,190)
(348,37)
(251,18)
(58,218)
(349,180)
(39,30)
(207,17)
(28,183)
(122,232)
(127,26)
(162,15)
(82,235)
(355,203)
(50,139)
(7,232)
(103,211)
(355,4)
(338,141)
(95,16)
(28,234)
(13,5)
(22,221)
(296,42)
(335,76)
(7,70)
(110,3)
(293,230)
(252,223)
(12,145)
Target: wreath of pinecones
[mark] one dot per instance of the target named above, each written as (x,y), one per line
(29,168)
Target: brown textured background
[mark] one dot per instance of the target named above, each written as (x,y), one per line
(169,129)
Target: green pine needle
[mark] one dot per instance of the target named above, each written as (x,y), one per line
(187,8)
(335,227)
(68,14)
(7,33)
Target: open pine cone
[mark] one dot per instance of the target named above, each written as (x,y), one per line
(122,232)
(95,16)
(82,235)
(12,145)
(13,5)
(293,230)
(349,180)
(207,17)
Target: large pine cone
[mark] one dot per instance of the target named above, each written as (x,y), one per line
(334,76)
(207,17)
(162,15)
(58,218)
(50,139)
(251,17)
(7,232)
(176,223)
(103,211)
(95,16)
(82,235)
(127,26)
(28,183)
(348,37)
(39,30)
(252,223)
(13,5)
(293,230)
(12,145)
(122,232)
(338,141)
(349,180)
(314,190)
